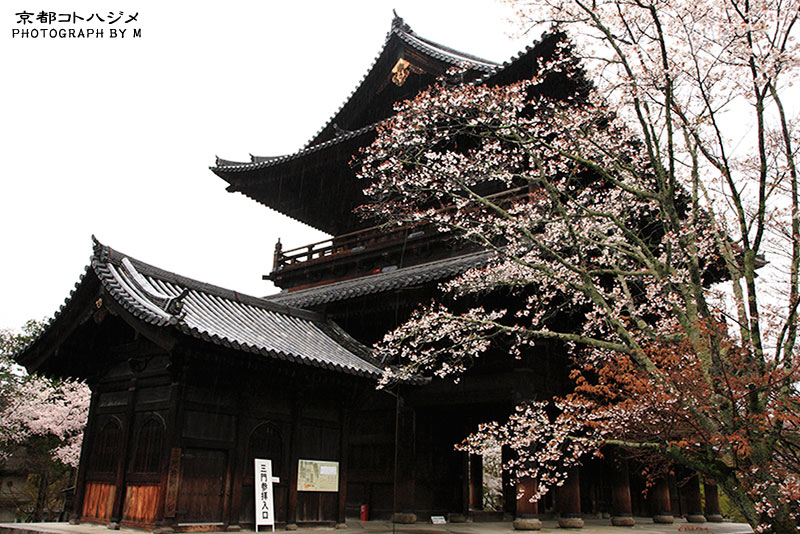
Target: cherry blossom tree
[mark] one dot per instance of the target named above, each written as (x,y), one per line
(639,197)
(41,424)
(41,407)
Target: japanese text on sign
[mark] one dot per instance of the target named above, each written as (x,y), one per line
(316,475)
(265,504)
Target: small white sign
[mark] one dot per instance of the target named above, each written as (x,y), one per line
(327,470)
(265,504)
(438,520)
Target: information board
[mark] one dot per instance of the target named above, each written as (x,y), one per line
(317,475)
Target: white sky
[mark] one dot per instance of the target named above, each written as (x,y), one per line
(114,137)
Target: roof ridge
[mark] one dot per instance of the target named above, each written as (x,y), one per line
(547,34)
(105,254)
(262,162)
(469,57)
(397,23)
(248,324)
(400,28)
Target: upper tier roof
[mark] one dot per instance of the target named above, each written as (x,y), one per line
(316,185)
(422,55)
(175,305)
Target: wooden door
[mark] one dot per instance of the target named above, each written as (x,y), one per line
(265,443)
(202,486)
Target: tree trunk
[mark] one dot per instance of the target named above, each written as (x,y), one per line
(41,497)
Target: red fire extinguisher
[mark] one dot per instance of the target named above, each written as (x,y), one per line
(364,512)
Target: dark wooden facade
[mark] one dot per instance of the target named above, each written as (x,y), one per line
(175,444)
(369,279)
(191,383)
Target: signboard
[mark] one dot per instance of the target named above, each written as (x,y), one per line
(317,475)
(265,504)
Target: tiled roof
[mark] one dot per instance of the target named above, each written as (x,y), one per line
(488,69)
(402,31)
(224,317)
(378,283)
(259,162)
(444,53)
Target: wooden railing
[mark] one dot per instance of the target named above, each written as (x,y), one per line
(368,238)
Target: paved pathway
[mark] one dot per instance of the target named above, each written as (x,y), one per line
(592,526)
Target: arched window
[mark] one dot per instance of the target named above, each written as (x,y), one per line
(265,442)
(106,448)
(149,447)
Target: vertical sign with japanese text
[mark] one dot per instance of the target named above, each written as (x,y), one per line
(265,507)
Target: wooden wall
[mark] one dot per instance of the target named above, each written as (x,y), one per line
(212,418)
(98,501)
(217,418)
(141,504)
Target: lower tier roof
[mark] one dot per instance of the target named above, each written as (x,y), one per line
(179,305)
(380,282)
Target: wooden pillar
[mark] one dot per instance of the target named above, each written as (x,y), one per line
(89,434)
(676,498)
(713,513)
(343,455)
(405,440)
(621,509)
(569,501)
(465,485)
(171,478)
(509,487)
(475,482)
(227,485)
(694,502)
(294,458)
(122,459)
(660,502)
(527,513)
(238,457)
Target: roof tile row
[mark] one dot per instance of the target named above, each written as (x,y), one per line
(223,317)
(380,282)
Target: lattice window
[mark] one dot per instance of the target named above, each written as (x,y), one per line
(265,442)
(149,447)
(107,448)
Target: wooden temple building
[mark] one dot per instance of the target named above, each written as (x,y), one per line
(190,382)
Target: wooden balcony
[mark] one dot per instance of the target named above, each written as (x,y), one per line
(377,241)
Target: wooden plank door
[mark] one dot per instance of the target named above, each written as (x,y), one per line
(202,486)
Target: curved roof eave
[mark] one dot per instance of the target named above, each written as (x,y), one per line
(400,31)
(166,300)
